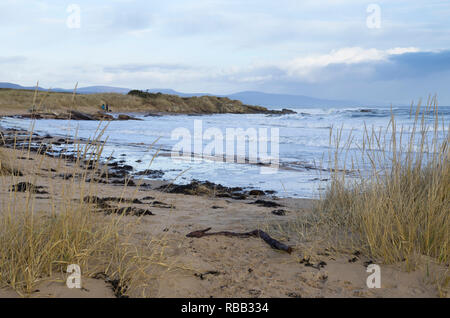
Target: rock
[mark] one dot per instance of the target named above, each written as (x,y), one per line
(288,111)
(102,203)
(151,173)
(279,212)
(257,192)
(284,111)
(267,204)
(129,182)
(153,115)
(130,211)
(204,188)
(103,116)
(126,117)
(27,187)
(162,205)
(76,115)
(240,196)
(31,116)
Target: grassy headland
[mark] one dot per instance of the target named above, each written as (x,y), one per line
(22,101)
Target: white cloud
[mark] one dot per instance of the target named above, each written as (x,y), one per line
(303,66)
(402,50)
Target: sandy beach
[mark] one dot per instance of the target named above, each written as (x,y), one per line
(211,266)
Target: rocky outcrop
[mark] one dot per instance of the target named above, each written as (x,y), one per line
(126,117)
(77,115)
(164,103)
(206,188)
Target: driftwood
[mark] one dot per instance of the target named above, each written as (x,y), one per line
(256,233)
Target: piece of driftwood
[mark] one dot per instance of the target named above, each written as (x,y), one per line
(255,233)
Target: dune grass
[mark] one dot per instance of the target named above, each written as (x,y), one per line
(401,209)
(23,100)
(37,242)
(6,168)
(3,164)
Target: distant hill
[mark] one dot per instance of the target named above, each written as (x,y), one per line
(247,97)
(174,92)
(284,100)
(102,89)
(267,99)
(15,86)
(81,90)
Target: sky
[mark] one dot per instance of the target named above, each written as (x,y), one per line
(393,51)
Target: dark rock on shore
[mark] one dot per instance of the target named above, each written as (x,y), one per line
(267,204)
(27,187)
(77,115)
(279,212)
(129,211)
(159,204)
(257,192)
(203,188)
(104,116)
(126,117)
(284,111)
(128,182)
(103,204)
(153,115)
(206,188)
(151,173)
(126,168)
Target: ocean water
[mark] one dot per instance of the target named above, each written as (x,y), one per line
(303,144)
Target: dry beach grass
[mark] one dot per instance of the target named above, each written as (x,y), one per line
(38,241)
(400,211)
(402,208)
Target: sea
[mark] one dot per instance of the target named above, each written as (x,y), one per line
(292,154)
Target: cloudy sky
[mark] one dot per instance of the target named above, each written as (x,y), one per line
(369,51)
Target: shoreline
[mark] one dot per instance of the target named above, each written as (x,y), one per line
(117,172)
(166,174)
